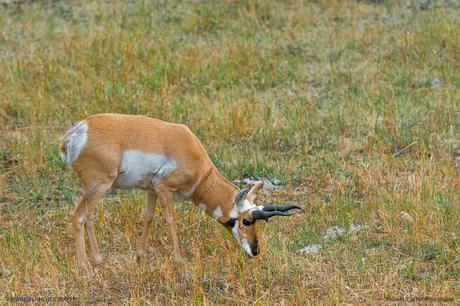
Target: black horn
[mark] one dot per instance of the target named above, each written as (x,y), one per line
(281,208)
(265,215)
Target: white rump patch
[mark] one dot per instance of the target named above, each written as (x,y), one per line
(217,213)
(243,243)
(75,140)
(143,170)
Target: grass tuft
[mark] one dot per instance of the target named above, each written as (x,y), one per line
(352,105)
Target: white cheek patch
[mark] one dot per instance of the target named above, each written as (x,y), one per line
(243,242)
(202,206)
(246,247)
(235,232)
(217,213)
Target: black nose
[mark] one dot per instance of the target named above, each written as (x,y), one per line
(255,247)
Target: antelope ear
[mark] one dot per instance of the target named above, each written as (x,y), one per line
(240,197)
(254,192)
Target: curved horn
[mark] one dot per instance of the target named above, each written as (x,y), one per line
(265,215)
(282,208)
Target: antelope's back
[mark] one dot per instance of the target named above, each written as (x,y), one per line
(103,138)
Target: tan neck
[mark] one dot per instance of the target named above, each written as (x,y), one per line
(214,191)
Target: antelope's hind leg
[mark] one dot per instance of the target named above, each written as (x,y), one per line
(82,216)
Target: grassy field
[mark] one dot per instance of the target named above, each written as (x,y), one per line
(353,105)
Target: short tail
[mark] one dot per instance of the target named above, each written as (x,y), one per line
(63,150)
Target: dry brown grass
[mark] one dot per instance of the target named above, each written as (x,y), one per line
(334,98)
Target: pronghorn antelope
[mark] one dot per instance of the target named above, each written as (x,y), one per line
(167,161)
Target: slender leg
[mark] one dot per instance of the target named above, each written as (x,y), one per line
(78,221)
(166,202)
(83,209)
(149,211)
(91,206)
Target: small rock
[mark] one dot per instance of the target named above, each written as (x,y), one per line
(251,181)
(354,228)
(333,232)
(310,249)
(436,83)
(272,184)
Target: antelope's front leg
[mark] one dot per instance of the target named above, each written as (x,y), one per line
(151,203)
(166,202)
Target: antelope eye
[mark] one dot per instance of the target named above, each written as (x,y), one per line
(246,222)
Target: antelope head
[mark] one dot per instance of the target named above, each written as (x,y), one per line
(245,214)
